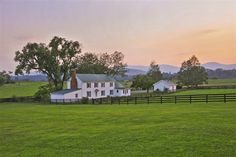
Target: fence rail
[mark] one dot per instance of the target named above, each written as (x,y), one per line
(206,98)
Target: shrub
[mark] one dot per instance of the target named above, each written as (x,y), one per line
(43,94)
(84,100)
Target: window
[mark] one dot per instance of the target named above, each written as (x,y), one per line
(103,84)
(117,91)
(125,91)
(111,84)
(95,84)
(102,92)
(88,85)
(76,95)
(89,94)
(111,92)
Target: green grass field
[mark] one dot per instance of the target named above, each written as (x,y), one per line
(222,82)
(204,91)
(20,89)
(178,130)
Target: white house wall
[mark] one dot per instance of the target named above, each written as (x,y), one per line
(92,89)
(72,95)
(120,92)
(161,87)
(68,97)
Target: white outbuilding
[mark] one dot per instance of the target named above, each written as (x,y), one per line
(164,85)
(67,95)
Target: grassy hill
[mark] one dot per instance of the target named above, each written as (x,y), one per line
(20,89)
(204,91)
(118,130)
(222,82)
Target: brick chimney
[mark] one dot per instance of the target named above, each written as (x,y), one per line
(73,82)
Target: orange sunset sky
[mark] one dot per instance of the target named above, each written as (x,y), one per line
(167,31)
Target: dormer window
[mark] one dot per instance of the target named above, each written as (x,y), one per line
(103,84)
(96,84)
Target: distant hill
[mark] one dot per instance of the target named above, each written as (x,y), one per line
(132,72)
(174,69)
(163,67)
(215,65)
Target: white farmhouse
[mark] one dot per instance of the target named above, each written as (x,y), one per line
(90,86)
(164,85)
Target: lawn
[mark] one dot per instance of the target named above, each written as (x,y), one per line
(20,89)
(178,130)
(204,91)
(219,82)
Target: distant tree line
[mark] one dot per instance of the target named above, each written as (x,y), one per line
(221,74)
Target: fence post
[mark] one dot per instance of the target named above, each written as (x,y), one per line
(135,100)
(93,101)
(111,101)
(175,99)
(190,99)
(100,100)
(148,99)
(206,98)
(161,99)
(224,98)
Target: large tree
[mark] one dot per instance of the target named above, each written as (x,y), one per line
(143,82)
(154,72)
(55,59)
(192,73)
(110,64)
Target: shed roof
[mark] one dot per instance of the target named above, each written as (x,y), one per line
(166,82)
(65,91)
(95,78)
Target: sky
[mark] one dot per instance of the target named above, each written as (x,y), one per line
(166,31)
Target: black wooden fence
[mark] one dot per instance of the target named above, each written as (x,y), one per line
(18,99)
(206,98)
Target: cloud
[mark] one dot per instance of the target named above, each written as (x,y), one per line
(207,31)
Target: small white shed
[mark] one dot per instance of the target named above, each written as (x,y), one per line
(67,95)
(164,85)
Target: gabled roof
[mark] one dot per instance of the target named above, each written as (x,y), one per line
(166,82)
(65,91)
(118,85)
(95,78)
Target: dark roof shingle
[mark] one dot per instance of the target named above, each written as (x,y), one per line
(65,91)
(95,78)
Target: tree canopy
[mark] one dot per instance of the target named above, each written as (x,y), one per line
(55,59)
(192,73)
(154,72)
(143,82)
(110,64)
(146,81)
